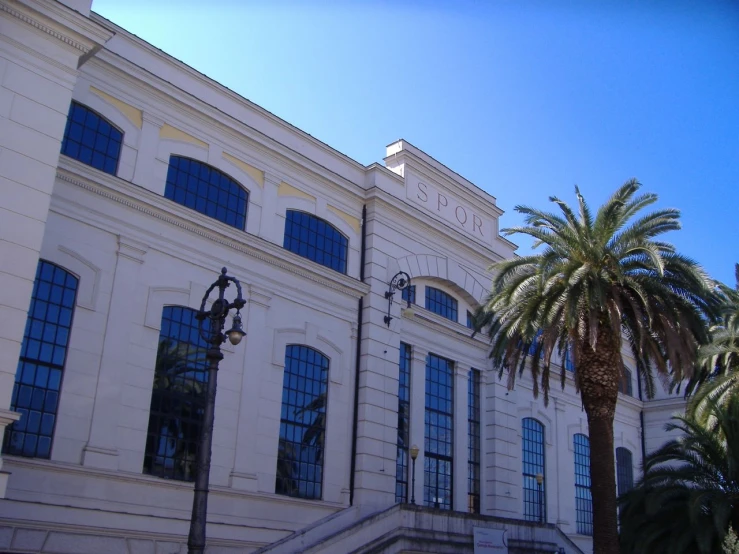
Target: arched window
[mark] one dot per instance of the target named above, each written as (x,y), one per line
(178,397)
(583,497)
(409,294)
(302,423)
(624,384)
(92,139)
(439,433)
(207,190)
(38,377)
(404,410)
(315,239)
(441,303)
(534,494)
(624,470)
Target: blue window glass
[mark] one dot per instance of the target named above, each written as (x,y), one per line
(439,433)
(535,344)
(404,407)
(473,442)
(624,384)
(624,470)
(207,190)
(409,294)
(315,239)
(470,321)
(441,303)
(38,377)
(92,139)
(178,397)
(569,363)
(302,423)
(534,495)
(583,497)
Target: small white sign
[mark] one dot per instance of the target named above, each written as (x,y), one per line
(490,541)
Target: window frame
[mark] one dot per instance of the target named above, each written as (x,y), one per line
(538,450)
(404,404)
(624,470)
(583,492)
(67,130)
(474,440)
(289,240)
(430,450)
(443,305)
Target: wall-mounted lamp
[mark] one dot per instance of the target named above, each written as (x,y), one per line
(400,281)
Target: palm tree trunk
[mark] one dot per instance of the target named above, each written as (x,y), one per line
(599,378)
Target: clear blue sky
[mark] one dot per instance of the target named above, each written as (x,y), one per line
(525,99)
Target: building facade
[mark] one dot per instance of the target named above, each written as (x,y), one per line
(128,181)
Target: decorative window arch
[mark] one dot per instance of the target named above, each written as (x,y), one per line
(207,190)
(583,496)
(92,139)
(301,450)
(178,397)
(441,303)
(40,369)
(624,470)
(316,239)
(534,458)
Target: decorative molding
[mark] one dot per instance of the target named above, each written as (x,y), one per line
(132,249)
(289,190)
(89,275)
(250,170)
(352,221)
(167,132)
(36,24)
(134,115)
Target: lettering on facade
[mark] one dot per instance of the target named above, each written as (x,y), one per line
(451,210)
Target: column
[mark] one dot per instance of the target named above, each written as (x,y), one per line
(101,450)
(34,101)
(459,466)
(418,414)
(257,368)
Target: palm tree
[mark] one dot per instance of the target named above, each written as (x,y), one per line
(599,280)
(718,375)
(689,495)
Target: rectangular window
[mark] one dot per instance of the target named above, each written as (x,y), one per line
(583,497)
(534,493)
(469,320)
(439,433)
(473,442)
(441,303)
(404,407)
(624,470)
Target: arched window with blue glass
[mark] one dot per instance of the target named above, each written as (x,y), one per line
(207,190)
(441,303)
(178,397)
(40,369)
(313,238)
(301,449)
(92,139)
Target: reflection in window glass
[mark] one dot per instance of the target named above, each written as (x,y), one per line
(207,190)
(534,496)
(38,377)
(178,397)
(439,436)
(404,407)
(441,303)
(315,239)
(302,423)
(92,139)
(583,498)
(473,442)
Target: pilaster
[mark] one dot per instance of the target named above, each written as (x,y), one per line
(101,450)
(144,172)
(271,227)
(418,409)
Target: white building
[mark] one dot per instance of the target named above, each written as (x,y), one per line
(165,176)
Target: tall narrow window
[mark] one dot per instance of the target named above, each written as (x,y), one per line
(409,294)
(207,190)
(583,498)
(302,423)
(441,303)
(92,139)
(473,442)
(439,436)
(534,493)
(470,320)
(624,470)
(569,363)
(404,408)
(178,397)
(38,377)
(625,385)
(315,239)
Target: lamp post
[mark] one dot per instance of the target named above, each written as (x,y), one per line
(213,334)
(400,281)
(414,455)
(539,485)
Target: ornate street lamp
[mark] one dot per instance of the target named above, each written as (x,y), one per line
(401,280)
(210,325)
(414,455)
(540,485)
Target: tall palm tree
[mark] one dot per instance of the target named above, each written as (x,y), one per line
(599,280)
(718,361)
(689,495)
